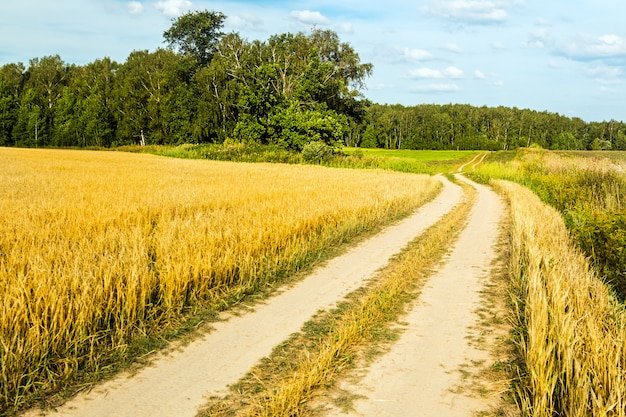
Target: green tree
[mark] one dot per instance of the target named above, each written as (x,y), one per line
(95,84)
(147,90)
(11,84)
(47,78)
(66,124)
(196,34)
(30,125)
(620,141)
(293,81)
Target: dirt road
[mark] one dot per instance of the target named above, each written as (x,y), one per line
(420,375)
(178,383)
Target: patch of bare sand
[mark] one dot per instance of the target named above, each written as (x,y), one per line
(179,383)
(421,373)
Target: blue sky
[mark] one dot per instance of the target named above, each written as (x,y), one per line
(567,57)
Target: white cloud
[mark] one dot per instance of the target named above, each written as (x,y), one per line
(498,46)
(309,17)
(173,8)
(135,7)
(451,47)
(416,54)
(542,22)
(450,72)
(590,47)
(479,74)
(538,38)
(470,11)
(347,28)
(604,74)
(246,21)
(435,88)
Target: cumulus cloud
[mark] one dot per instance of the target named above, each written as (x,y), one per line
(309,17)
(173,8)
(478,12)
(416,54)
(135,7)
(591,47)
(435,88)
(479,74)
(247,21)
(449,72)
(398,54)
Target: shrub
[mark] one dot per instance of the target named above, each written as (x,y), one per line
(317,151)
(602,235)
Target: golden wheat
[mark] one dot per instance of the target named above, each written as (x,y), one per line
(573,339)
(97,247)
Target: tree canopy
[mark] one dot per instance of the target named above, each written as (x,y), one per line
(196,34)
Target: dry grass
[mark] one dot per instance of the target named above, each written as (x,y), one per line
(99,248)
(572,332)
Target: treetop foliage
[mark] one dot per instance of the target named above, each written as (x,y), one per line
(196,34)
(292,89)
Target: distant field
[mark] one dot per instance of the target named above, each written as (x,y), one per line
(408,160)
(415,161)
(418,155)
(100,248)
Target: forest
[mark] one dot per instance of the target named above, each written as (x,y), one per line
(207,86)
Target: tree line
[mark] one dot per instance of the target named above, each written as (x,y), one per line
(209,86)
(461,126)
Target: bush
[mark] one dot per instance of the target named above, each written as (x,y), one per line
(602,235)
(317,151)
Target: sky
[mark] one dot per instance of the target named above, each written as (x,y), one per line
(560,56)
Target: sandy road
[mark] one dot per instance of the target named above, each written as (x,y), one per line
(178,383)
(419,374)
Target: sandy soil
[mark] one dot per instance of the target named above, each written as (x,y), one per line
(421,373)
(178,383)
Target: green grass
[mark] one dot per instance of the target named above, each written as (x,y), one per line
(418,155)
(408,160)
(403,160)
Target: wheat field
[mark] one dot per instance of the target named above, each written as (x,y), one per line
(97,248)
(572,331)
